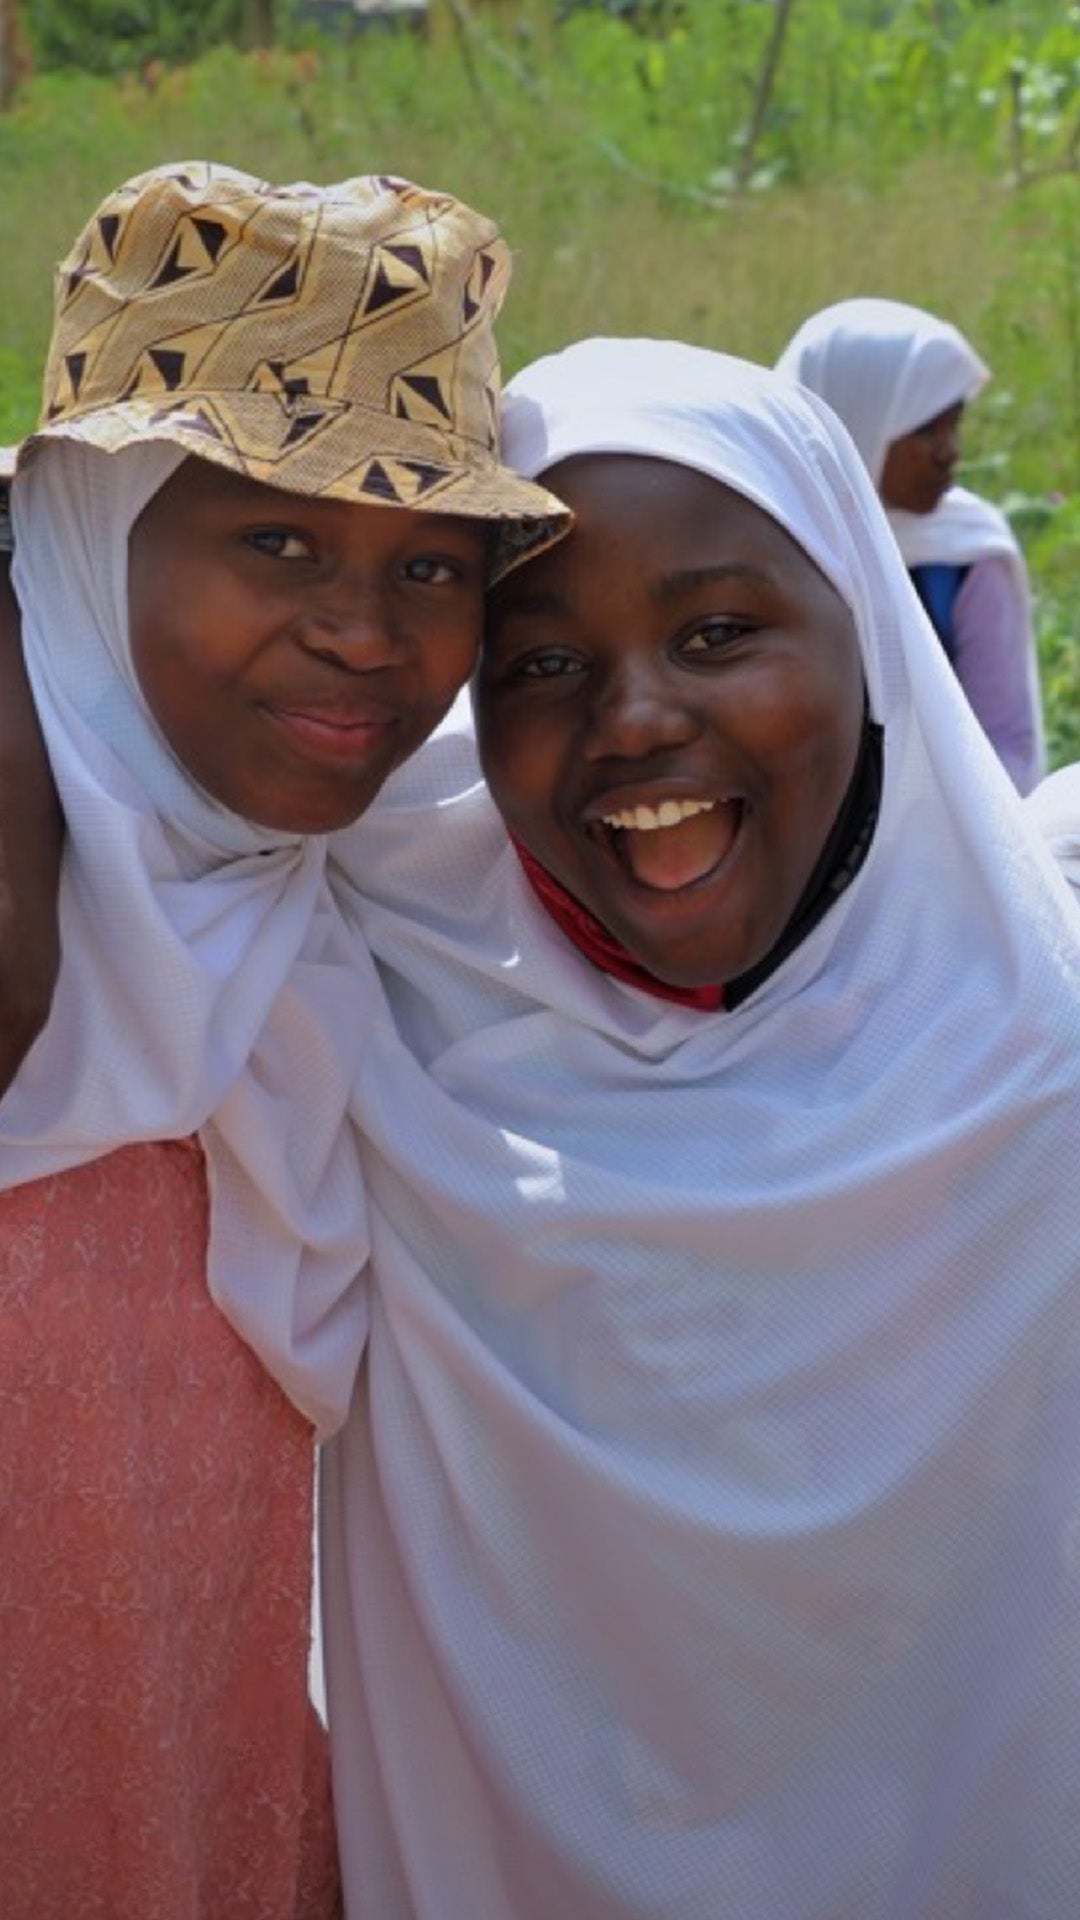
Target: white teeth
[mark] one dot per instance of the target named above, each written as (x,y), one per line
(667,814)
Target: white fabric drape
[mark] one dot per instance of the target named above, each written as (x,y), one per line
(208,983)
(703,1541)
(1054,809)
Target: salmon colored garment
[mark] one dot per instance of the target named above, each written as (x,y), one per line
(159,1759)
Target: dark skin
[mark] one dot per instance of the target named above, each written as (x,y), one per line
(669,708)
(920,467)
(31,843)
(292,651)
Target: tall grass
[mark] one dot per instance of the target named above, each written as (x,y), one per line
(607,156)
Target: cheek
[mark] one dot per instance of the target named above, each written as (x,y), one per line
(153,658)
(458,660)
(170,674)
(813,746)
(518,767)
(449,660)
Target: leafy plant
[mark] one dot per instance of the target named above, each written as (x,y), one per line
(888,161)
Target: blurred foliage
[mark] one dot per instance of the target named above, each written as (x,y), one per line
(924,149)
(113,36)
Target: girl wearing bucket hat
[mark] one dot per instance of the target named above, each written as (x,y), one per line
(900,379)
(252,538)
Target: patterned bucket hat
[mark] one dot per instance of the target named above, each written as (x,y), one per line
(325,340)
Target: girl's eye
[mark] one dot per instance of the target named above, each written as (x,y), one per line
(713,635)
(431,571)
(552,665)
(279,543)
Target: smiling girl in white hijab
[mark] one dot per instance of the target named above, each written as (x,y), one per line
(702,1544)
(899,379)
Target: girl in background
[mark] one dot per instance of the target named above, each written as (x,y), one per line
(900,381)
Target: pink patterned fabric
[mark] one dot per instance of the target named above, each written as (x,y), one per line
(159,1759)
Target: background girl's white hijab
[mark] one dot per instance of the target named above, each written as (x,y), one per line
(884,368)
(207,983)
(711,1488)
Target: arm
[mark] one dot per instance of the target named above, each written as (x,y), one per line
(31,841)
(995,665)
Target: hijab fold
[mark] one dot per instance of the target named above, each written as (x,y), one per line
(1054,811)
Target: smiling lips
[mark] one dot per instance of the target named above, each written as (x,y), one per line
(674,844)
(332,733)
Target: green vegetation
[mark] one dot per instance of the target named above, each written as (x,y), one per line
(925,149)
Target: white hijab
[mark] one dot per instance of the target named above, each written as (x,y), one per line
(886,368)
(208,984)
(703,1538)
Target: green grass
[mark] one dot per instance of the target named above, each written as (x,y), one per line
(884,169)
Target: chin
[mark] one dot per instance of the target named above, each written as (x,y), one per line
(310,820)
(690,978)
(693,969)
(692,956)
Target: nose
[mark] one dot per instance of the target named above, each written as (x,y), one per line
(947,446)
(639,710)
(354,627)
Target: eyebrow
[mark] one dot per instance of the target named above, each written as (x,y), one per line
(529,601)
(540,602)
(686,579)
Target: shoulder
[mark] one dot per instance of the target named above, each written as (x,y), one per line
(976,528)
(993,580)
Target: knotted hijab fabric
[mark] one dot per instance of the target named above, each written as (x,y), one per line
(702,1540)
(208,983)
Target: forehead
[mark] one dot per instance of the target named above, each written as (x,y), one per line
(215,491)
(657,524)
(948,417)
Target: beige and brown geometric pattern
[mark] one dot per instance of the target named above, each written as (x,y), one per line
(328,340)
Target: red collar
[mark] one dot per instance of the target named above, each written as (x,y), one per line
(599,946)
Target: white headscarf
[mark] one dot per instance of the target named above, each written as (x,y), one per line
(704,1537)
(886,368)
(208,984)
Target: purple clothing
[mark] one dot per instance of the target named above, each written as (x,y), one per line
(992,657)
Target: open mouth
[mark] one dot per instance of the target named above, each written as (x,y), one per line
(674,845)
